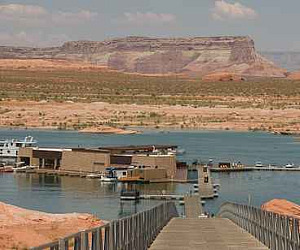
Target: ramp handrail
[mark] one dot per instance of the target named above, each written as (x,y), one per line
(278,232)
(135,232)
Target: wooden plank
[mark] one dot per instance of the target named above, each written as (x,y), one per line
(192,206)
(204,234)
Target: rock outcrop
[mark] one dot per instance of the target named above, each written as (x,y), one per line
(144,55)
(22,228)
(294,75)
(282,207)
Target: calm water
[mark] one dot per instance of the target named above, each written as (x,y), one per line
(67,194)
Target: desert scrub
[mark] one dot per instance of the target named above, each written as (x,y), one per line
(120,88)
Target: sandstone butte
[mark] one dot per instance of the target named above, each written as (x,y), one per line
(193,56)
(283,207)
(21,228)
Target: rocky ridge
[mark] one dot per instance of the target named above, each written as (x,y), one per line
(144,55)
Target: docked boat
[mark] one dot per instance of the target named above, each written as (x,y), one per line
(176,151)
(108,178)
(168,151)
(23,169)
(290,165)
(6,169)
(259,164)
(94,176)
(9,149)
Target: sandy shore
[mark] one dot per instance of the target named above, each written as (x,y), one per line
(100,117)
(21,228)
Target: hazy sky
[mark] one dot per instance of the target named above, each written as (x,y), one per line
(273,24)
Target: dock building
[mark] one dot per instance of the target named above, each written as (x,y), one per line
(147,162)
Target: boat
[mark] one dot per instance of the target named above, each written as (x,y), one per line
(23,169)
(168,151)
(176,151)
(93,176)
(290,165)
(108,178)
(6,169)
(259,164)
(9,149)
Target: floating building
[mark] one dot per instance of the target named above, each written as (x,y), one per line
(149,162)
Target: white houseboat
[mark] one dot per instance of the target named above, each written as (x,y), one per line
(9,149)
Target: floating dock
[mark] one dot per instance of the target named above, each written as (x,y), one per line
(245,169)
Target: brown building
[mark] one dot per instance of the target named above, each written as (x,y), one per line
(96,160)
(85,160)
(44,158)
(148,174)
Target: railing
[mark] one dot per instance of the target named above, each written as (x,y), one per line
(135,232)
(276,231)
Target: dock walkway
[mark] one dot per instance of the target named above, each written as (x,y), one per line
(192,206)
(204,234)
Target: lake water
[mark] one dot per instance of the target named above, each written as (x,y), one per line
(67,194)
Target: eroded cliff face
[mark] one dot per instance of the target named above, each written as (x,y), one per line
(190,56)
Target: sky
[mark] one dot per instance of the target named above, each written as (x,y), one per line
(273,24)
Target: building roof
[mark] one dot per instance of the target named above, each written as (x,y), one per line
(136,148)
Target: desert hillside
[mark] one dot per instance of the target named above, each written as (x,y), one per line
(195,56)
(22,228)
(60,94)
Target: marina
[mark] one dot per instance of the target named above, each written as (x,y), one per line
(77,191)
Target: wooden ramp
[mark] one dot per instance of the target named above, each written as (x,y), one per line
(204,234)
(192,206)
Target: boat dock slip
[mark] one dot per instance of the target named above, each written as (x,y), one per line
(192,206)
(161,196)
(244,169)
(204,234)
(205,185)
(170,196)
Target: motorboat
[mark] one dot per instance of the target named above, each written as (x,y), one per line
(6,169)
(259,164)
(23,169)
(108,178)
(290,165)
(93,176)
(168,151)
(176,151)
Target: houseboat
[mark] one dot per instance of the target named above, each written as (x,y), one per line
(9,149)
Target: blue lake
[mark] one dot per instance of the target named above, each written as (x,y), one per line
(67,194)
